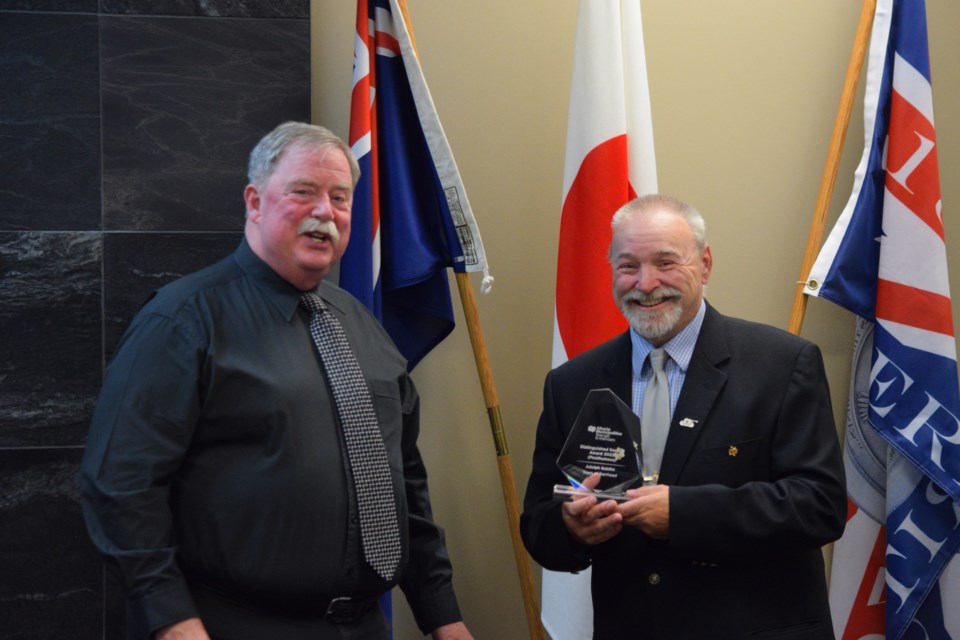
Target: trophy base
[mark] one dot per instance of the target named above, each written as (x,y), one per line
(564,493)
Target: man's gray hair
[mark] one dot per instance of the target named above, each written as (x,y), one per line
(267,153)
(655,202)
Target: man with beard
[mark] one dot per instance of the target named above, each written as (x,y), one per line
(723,540)
(252,468)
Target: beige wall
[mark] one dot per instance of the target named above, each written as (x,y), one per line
(744,94)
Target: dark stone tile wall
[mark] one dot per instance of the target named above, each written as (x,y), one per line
(124,131)
(52,579)
(50,6)
(211,8)
(50,129)
(50,323)
(172,142)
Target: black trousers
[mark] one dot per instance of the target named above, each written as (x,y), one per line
(227,619)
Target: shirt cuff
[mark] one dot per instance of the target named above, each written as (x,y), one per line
(161,608)
(436,610)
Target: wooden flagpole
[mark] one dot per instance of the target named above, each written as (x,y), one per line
(860,45)
(504,464)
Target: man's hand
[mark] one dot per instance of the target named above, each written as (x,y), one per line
(455,631)
(588,522)
(648,510)
(189,629)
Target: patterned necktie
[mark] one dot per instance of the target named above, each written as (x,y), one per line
(379,530)
(655,416)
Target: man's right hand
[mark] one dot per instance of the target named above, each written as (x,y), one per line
(189,629)
(588,522)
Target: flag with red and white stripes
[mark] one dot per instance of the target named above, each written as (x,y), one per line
(886,261)
(609,161)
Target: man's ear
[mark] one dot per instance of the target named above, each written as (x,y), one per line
(252,197)
(707,263)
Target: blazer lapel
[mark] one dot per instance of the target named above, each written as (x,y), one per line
(702,385)
(618,370)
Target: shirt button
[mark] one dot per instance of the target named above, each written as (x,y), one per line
(654,579)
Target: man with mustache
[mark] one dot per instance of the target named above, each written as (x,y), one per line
(248,474)
(723,540)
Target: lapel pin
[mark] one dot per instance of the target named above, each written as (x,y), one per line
(688,423)
(732,451)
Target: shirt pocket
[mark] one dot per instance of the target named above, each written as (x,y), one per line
(388,406)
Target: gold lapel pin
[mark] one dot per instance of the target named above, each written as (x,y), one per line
(732,451)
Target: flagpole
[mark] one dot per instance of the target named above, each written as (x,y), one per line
(860,45)
(504,464)
(503,453)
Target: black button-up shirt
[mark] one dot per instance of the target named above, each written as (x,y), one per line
(215,457)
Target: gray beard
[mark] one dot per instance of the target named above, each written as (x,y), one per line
(652,325)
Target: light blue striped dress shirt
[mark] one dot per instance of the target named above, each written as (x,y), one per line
(680,350)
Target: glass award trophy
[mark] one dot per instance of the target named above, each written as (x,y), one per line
(605,439)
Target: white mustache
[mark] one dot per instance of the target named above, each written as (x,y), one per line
(655,296)
(326,227)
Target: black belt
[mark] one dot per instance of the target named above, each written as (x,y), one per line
(348,610)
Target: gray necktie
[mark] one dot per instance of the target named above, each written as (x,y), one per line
(367,455)
(655,416)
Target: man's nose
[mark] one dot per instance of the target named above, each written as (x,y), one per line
(647,280)
(322,208)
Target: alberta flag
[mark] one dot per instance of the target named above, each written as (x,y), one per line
(895,571)
(411,218)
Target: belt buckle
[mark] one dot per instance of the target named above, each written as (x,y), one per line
(346,610)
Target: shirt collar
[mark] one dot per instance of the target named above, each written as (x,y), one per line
(679,347)
(283,295)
